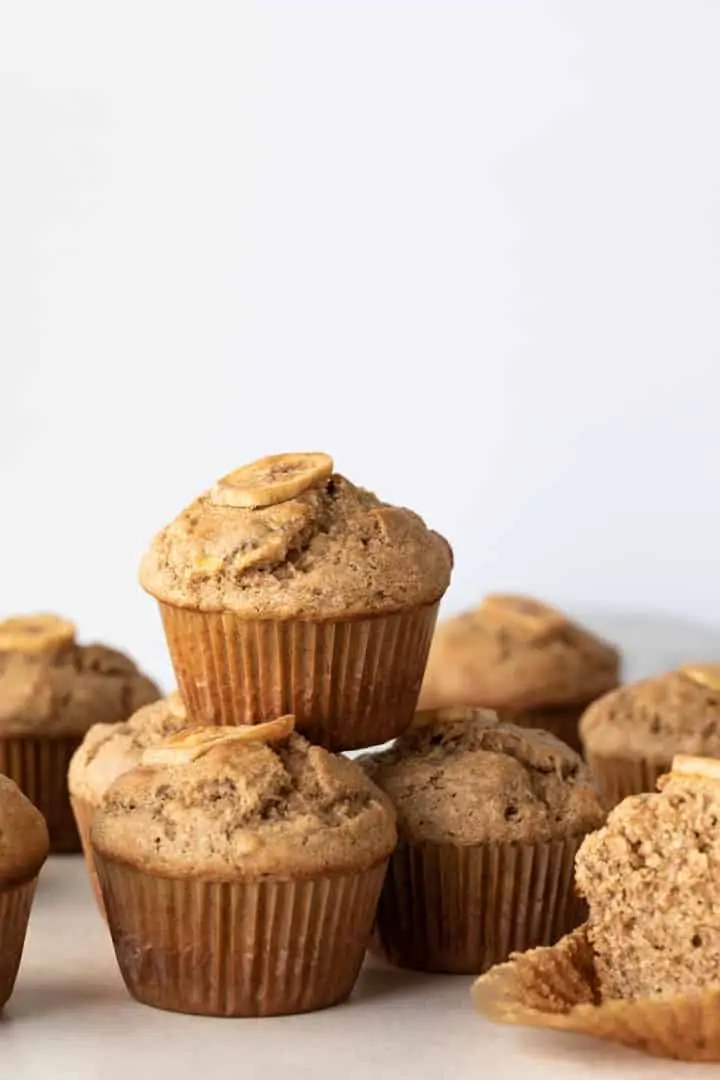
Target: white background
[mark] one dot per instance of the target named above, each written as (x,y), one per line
(472,249)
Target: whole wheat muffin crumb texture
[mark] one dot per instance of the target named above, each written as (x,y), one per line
(515,651)
(109,750)
(655,719)
(651,877)
(460,776)
(23,836)
(246,809)
(331,550)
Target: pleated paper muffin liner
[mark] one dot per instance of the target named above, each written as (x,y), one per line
(461,909)
(350,683)
(84,812)
(556,988)
(244,948)
(15,904)
(618,777)
(39,767)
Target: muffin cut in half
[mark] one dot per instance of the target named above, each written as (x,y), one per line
(645,969)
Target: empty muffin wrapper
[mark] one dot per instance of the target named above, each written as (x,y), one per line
(556,987)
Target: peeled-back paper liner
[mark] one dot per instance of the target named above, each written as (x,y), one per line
(15,904)
(39,767)
(84,812)
(618,777)
(461,909)
(350,683)
(242,948)
(556,988)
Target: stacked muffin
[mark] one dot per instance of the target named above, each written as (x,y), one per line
(240,861)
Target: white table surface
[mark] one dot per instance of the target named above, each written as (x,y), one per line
(70,1015)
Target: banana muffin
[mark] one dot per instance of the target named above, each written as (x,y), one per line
(286,588)
(631,735)
(650,878)
(23,850)
(108,751)
(523,658)
(490,817)
(240,869)
(52,689)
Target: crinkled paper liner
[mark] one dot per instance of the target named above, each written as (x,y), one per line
(556,988)
(39,767)
(461,909)
(84,812)
(243,948)
(15,904)
(618,777)
(350,683)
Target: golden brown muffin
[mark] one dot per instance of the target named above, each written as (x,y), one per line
(290,570)
(23,850)
(523,658)
(108,751)
(253,852)
(631,735)
(52,689)
(489,819)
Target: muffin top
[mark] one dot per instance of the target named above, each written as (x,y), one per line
(229,803)
(50,684)
(459,775)
(650,877)
(285,537)
(109,750)
(23,836)
(514,651)
(677,713)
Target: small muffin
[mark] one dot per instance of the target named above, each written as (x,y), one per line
(522,658)
(23,850)
(108,751)
(285,588)
(490,816)
(240,869)
(51,691)
(631,735)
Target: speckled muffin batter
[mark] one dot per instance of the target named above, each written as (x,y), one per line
(285,588)
(240,869)
(490,816)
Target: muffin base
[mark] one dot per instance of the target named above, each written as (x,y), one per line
(39,767)
(245,948)
(15,904)
(461,909)
(84,812)
(557,988)
(560,720)
(617,777)
(350,683)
